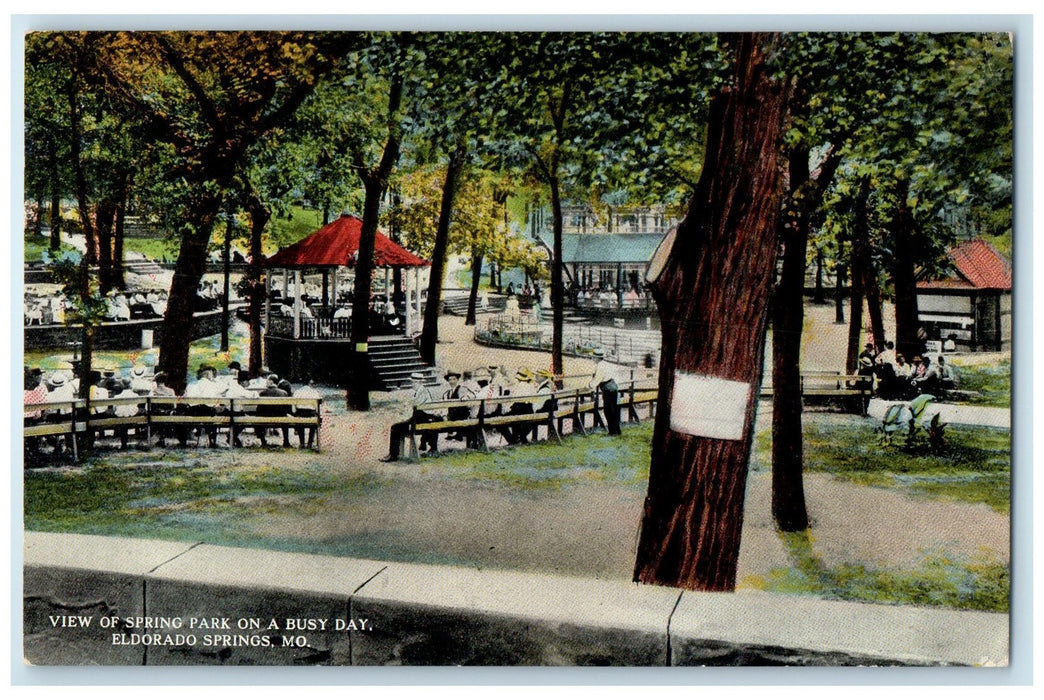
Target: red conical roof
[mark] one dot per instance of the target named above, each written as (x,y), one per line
(337,244)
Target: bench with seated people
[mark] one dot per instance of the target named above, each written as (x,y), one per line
(68,424)
(516,414)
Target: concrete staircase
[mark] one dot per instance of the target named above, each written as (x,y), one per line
(455,302)
(393,359)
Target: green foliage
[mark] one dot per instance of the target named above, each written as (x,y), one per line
(975,465)
(937,579)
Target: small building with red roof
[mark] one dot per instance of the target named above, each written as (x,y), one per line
(971,305)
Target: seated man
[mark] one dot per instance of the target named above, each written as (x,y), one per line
(307,391)
(422,394)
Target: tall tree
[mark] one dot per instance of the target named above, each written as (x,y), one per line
(713,294)
(204,98)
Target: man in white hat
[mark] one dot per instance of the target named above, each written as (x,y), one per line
(422,394)
(604,380)
(140,383)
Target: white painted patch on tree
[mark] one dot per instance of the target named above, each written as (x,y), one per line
(709,406)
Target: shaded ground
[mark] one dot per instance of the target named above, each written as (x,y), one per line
(514,509)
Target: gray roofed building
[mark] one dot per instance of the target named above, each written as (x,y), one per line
(602,248)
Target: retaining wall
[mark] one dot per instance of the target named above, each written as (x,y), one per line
(92,600)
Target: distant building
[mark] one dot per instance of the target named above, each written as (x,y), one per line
(972,304)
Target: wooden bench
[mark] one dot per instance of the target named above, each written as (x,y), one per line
(853,391)
(171,416)
(550,411)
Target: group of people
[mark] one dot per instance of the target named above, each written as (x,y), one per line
(64,386)
(530,392)
(896,378)
(43,311)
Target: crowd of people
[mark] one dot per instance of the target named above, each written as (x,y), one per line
(529,392)
(64,386)
(896,378)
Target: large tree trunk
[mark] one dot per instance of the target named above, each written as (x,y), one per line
(788,320)
(430,332)
(476,279)
(118,277)
(713,296)
(181,303)
(557,305)
(863,264)
(840,272)
(818,296)
(55,219)
(855,321)
(89,259)
(357,376)
(105,215)
(904,277)
(259,216)
(226,289)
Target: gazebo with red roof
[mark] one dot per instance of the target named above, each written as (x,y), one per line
(972,304)
(309,325)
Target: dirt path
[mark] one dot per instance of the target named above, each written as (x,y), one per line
(417,512)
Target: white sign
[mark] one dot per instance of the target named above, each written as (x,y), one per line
(709,406)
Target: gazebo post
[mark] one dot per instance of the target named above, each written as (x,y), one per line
(387,286)
(334,276)
(297,304)
(286,283)
(409,311)
(417,290)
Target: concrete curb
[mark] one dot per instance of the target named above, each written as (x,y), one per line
(92,600)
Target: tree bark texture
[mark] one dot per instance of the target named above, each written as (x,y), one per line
(118,277)
(788,320)
(476,279)
(430,331)
(259,217)
(804,197)
(713,296)
(904,276)
(357,378)
(181,302)
(557,301)
(105,215)
(863,264)
(839,289)
(855,320)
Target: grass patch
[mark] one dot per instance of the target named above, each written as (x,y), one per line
(182,499)
(35,246)
(975,466)
(596,458)
(992,382)
(937,579)
(159,248)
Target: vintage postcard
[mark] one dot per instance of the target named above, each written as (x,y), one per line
(517,348)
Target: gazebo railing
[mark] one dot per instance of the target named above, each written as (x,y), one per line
(311,328)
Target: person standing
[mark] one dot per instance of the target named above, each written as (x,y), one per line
(604,380)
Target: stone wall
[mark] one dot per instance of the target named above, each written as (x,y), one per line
(113,601)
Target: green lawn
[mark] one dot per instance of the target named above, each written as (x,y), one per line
(35,246)
(937,579)
(974,467)
(186,495)
(992,381)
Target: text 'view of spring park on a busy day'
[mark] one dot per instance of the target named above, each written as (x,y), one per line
(517,348)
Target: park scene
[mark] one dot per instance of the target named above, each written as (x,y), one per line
(711,312)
